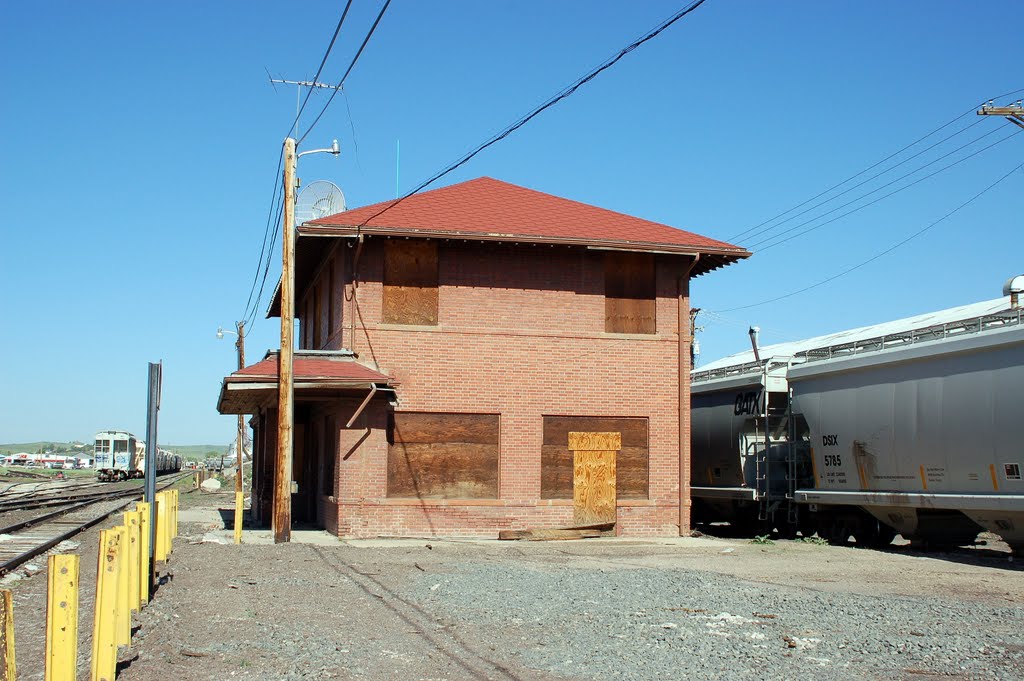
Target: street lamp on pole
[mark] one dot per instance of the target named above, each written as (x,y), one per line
(239,448)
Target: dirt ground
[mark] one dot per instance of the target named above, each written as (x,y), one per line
(409,609)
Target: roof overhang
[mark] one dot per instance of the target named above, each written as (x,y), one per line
(249,393)
(308,252)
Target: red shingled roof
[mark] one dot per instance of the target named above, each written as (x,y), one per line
(311,368)
(490,208)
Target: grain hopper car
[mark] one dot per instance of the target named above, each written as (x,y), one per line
(907,427)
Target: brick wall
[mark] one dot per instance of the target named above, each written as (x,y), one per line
(521,334)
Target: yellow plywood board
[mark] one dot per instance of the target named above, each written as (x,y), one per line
(593,487)
(595,442)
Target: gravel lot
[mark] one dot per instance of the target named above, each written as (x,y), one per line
(594,609)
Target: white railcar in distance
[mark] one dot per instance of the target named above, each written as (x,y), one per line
(116,455)
(121,456)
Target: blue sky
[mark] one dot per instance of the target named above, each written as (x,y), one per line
(140,141)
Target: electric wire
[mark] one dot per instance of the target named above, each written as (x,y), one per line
(863,182)
(309,91)
(550,102)
(882,253)
(277,173)
(887,158)
(773,243)
(263,249)
(341,82)
(251,322)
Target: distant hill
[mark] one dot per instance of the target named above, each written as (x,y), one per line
(196,451)
(33,447)
(187,451)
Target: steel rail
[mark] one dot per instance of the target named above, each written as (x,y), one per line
(48,544)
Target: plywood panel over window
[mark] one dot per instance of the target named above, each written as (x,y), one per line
(631,463)
(410,282)
(629,291)
(443,456)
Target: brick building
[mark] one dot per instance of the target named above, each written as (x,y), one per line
(450,343)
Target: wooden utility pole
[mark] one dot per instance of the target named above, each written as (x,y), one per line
(240,446)
(1014,113)
(282,520)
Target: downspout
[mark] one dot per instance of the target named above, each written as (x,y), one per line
(683,289)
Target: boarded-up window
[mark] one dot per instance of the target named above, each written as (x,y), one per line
(629,293)
(443,456)
(410,282)
(631,463)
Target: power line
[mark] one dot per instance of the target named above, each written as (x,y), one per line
(887,158)
(882,253)
(323,61)
(864,181)
(341,82)
(555,99)
(254,315)
(885,196)
(263,249)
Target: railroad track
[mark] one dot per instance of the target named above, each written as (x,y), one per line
(67,493)
(24,541)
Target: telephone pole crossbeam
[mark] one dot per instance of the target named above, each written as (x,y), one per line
(1013,113)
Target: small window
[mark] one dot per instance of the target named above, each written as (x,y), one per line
(120,446)
(443,456)
(330,299)
(629,292)
(631,463)
(330,472)
(410,282)
(317,343)
(1012,471)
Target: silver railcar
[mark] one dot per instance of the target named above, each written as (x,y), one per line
(906,427)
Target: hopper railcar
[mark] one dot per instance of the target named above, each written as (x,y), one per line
(908,427)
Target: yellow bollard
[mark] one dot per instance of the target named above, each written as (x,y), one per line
(175,495)
(159,553)
(104,633)
(131,521)
(8,669)
(142,508)
(239,503)
(124,613)
(62,618)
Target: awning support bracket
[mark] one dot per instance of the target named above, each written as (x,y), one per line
(366,401)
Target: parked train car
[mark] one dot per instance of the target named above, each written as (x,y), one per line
(909,427)
(121,456)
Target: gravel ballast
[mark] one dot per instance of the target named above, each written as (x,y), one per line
(595,609)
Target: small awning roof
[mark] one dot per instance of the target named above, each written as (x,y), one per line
(316,374)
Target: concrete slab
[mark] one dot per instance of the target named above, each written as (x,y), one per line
(214,518)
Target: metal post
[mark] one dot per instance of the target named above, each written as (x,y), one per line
(282,520)
(152,410)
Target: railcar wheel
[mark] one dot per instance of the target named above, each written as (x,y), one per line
(874,534)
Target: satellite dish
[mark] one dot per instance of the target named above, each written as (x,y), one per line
(318,200)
